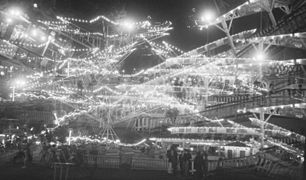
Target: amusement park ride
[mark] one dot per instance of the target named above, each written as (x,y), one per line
(72,68)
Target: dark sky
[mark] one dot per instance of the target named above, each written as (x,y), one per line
(177,11)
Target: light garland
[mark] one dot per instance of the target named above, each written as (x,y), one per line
(105,140)
(133,96)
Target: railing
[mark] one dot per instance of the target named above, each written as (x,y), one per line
(291,21)
(277,168)
(289,24)
(230,109)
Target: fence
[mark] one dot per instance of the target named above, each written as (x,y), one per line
(149,163)
(239,162)
(162,164)
(102,161)
(61,171)
(7,156)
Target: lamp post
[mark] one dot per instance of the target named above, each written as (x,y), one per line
(17,83)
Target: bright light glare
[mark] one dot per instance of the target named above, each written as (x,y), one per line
(128,25)
(15,12)
(34,32)
(43,38)
(35,5)
(208,16)
(260,56)
(19,82)
(9,20)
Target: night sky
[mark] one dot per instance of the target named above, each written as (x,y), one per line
(177,11)
(180,12)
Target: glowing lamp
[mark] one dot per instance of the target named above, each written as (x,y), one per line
(9,20)
(128,25)
(43,38)
(19,83)
(15,12)
(260,56)
(34,32)
(208,16)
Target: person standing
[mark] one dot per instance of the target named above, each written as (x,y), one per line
(199,166)
(187,162)
(205,165)
(27,155)
(182,162)
(173,159)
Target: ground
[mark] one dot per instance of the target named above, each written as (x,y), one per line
(38,172)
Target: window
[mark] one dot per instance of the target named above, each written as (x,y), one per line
(229,154)
(242,153)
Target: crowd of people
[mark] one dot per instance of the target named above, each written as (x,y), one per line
(182,161)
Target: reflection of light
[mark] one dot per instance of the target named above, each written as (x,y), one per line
(35,5)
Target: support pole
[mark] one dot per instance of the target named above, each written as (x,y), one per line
(206,93)
(262,126)
(272,18)
(47,45)
(13,96)
(226,29)
(68,68)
